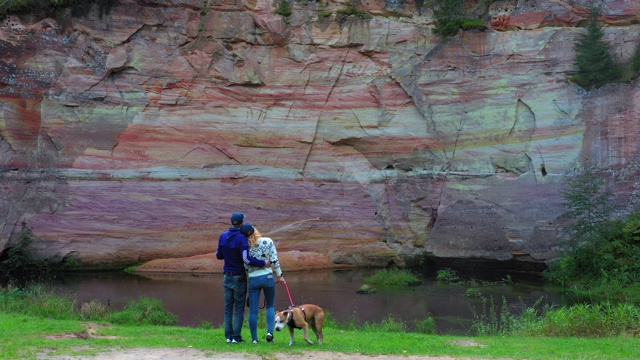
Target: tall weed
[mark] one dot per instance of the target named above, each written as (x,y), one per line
(389,324)
(592,320)
(426,326)
(146,311)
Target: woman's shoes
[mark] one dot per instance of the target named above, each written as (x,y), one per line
(269,337)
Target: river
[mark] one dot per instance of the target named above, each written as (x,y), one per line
(198,299)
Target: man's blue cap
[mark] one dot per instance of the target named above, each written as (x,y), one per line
(237,218)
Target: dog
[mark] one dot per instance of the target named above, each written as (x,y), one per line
(302,317)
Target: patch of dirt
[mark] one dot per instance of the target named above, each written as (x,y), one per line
(466,343)
(193,354)
(90,332)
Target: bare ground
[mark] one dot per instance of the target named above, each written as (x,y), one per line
(194,354)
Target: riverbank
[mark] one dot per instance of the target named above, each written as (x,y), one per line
(209,264)
(30,337)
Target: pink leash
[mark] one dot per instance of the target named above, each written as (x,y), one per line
(288,293)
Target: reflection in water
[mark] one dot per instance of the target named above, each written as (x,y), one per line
(199,298)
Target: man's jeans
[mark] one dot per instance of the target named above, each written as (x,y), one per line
(268,285)
(235,294)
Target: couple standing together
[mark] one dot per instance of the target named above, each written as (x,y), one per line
(247,254)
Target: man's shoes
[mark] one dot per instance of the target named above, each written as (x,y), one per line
(229,340)
(269,337)
(234,341)
(254,342)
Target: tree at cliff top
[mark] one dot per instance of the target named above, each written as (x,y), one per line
(46,7)
(594,59)
(451,17)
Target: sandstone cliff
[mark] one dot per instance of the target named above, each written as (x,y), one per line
(133,136)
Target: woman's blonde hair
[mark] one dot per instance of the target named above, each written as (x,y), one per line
(253,238)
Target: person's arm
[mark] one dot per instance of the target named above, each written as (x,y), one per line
(247,258)
(274,261)
(219,253)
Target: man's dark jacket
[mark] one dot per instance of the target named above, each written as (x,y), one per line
(233,248)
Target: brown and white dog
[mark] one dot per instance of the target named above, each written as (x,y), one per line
(301,317)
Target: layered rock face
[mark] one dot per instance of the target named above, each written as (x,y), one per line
(134,135)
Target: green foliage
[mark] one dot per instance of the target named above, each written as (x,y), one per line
(20,257)
(205,325)
(37,300)
(591,320)
(45,7)
(94,310)
(9,296)
(491,319)
(366,289)
(601,255)
(473,292)
(451,17)
(426,326)
(449,276)
(388,324)
(588,202)
(631,70)
(635,61)
(393,276)
(351,10)
(144,310)
(594,59)
(284,8)
(325,14)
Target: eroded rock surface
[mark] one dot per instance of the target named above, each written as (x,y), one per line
(133,136)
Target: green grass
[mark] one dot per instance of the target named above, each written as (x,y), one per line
(29,318)
(24,337)
(392,277)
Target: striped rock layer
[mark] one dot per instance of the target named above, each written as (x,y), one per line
(132,135)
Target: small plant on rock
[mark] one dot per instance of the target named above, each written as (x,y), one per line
(284,9)
(448,276)
(393,277)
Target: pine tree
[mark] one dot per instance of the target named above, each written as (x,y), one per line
(449,14)
(588,201)
(594,59)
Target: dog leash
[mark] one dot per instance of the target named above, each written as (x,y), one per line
(288,293)
(264,301)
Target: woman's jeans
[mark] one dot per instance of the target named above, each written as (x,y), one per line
(267,284)
(235,293)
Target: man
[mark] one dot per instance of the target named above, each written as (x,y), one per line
(233,248)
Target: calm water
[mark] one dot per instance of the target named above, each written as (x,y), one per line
(199,298)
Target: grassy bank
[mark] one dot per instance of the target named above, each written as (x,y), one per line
(27,337)
(37,322)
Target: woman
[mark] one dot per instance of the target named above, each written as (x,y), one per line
(261,279)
